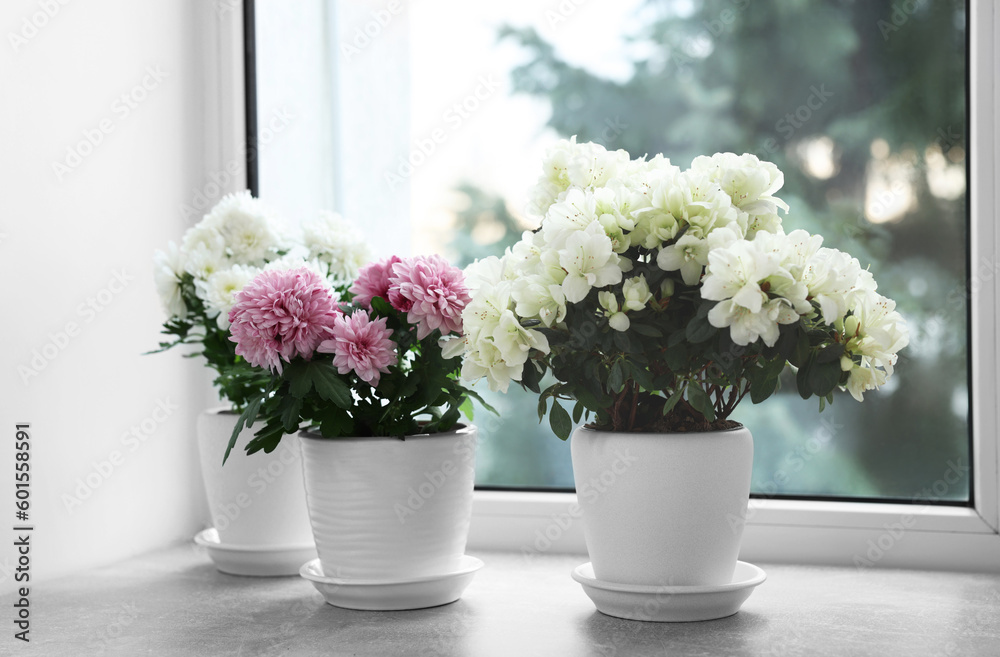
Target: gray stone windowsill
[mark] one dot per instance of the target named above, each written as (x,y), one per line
(174,602)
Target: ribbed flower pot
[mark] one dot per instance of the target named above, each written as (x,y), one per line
(257,502)
(390,509)
(663,509)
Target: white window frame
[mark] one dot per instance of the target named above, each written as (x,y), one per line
(860,534)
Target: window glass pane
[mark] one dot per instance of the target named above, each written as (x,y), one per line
(861,104)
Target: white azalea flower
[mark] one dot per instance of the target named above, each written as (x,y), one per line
(570,215)
(484,360)
(514,342)
(864,378)
(168,267)
(485,273)
(541,295)
(747,326)
(567,165)
(750,183)
(496,345)
(220,289)
(831,277)
(589,262)
(689,254)
(740,277)
(333,240)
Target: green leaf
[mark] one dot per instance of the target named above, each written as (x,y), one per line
(762,386)
(646,329)
(266,439)
(676,357)
(559,421)
(246,418)
(616,378)
(299,380)
(335,422)
(542,407)
(329,385)
(622,341)
(676,338)
(830,353)
(699,329)
(673,399)
(482,402)
(824,377)
(701,402)
(381,307)
(467,409)
(291,407)
(801,353)
(802,380)
(641,375)
(530,377)
(578,410)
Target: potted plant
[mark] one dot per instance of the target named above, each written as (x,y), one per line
(659,299)
(260,524)
(367,379)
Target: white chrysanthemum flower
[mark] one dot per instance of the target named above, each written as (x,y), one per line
(589,261)
(337,242)
(219,291)
(168,267)
(297,260)
(250,234)
(203,250)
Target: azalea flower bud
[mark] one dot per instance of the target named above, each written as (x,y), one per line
(846,363)
(619,322)
(636,293)
(667,288)
(851,325)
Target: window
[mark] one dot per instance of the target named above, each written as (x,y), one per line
(427,123)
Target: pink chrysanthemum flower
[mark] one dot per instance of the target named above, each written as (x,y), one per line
(373,281)
(280,315)
(431,292)
(362,346)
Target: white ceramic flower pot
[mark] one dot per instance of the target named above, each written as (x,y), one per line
(256,501)
(385,509)
(663,509)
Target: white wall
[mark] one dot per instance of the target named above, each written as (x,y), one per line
(65,240)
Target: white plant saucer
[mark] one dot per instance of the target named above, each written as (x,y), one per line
(254,560)
(670,604)
(382,595)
